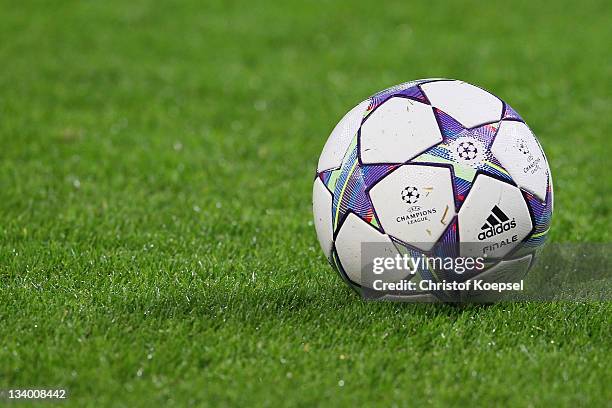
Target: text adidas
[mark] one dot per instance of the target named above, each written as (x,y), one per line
(498,229)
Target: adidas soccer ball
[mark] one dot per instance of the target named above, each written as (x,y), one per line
(430,165)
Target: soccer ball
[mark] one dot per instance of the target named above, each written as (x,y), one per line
(433,166)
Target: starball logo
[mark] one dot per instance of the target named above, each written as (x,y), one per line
(497,222)
(522,147)
(411,195)
(415,213)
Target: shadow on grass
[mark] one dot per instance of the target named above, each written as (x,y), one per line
(251,306)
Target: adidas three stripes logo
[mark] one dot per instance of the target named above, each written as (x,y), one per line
(497,222)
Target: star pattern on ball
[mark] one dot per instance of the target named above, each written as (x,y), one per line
(349,184)
(466,151)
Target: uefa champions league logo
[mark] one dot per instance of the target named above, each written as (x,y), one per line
(468,150)
(410,195)
(521,145)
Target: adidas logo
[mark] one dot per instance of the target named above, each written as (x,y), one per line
(497,222)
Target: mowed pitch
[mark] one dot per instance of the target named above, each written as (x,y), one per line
(156,166)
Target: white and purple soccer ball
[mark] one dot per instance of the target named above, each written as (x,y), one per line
(429,164)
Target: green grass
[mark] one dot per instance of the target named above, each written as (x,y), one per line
(156,163)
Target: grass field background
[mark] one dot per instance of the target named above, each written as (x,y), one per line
(156,164)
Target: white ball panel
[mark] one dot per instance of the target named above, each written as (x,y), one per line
(417,221)
(353,232)
(494,218)
(466,103)
(341,137)
(397,131)
(322,210)
(519,152)
(512,270)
